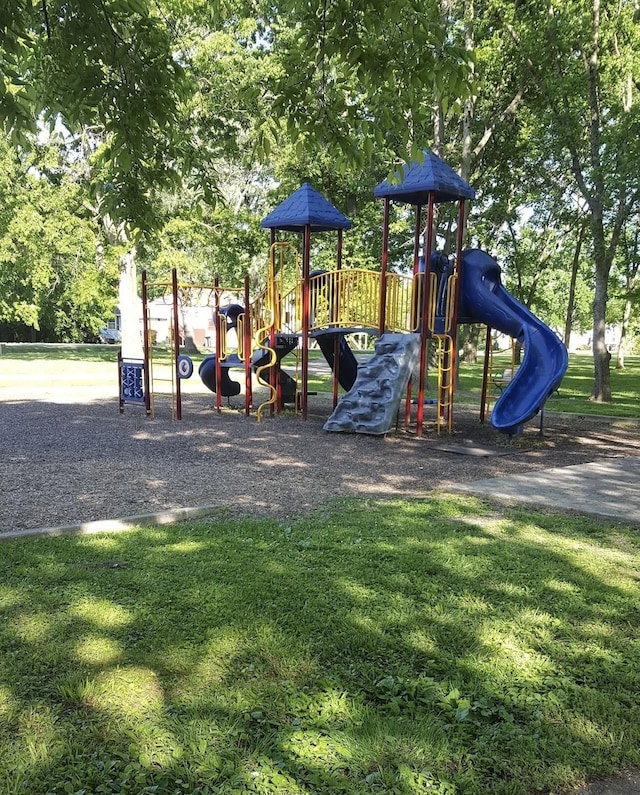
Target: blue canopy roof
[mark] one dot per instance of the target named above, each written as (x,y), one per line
(306,207)
(421,179)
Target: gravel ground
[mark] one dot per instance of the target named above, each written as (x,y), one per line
(64,462)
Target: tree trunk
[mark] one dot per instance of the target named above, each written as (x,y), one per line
(601,357)
(469,343)
(189,346)
(620,354)
(572,287)
(469,104)
(128,301)
(130,306)
(438,129)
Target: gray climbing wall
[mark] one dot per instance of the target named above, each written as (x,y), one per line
(372,403)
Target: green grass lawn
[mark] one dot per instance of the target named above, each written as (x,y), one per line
(575,389)
(77,365)
(27,352)
(573,395)
(404,647)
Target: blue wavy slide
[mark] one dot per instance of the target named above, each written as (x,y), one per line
(545,358)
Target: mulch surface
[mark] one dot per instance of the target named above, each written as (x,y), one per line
(71,462)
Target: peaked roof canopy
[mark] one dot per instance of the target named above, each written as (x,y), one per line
(306,207)
(421,179)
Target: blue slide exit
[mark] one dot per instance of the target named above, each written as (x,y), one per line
(347,362)
(484,300)
(207,370)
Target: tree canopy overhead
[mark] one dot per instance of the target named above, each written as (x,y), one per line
(164,106)
(107,65)
(339,76)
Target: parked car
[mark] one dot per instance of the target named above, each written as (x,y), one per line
(109,336)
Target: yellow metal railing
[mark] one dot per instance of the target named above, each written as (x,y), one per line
(347,298)
(340,299)
(452,282)
(222,351)
(240,330)
(260,314)
(289,310)
(416,302)
(350,298)
(399,309)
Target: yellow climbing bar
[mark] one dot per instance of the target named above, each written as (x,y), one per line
(446,365)
(273,392)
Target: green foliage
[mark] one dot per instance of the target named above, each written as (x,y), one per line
(368,85)
(350,190)
(580,106)
(399,647)
(224,241)
(171,86)
(193,119)
(50,279)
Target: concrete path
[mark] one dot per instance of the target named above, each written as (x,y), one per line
(609,488)
(627,784)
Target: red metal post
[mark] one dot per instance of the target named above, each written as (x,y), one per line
(426,300)
(306,255)
(451,365)
(272,287)
(120,400)
(248,324)
(176,342)
(335,314)
(385,262)
(217,336)
(416,268)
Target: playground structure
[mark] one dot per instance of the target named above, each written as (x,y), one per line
(176,294)
(405,312)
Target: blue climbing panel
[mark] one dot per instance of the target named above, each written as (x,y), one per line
(131,381)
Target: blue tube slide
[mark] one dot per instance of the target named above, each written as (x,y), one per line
(347,362)
(207,372)
(484,300)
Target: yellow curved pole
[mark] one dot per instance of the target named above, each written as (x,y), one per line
(273,358)
(264,333)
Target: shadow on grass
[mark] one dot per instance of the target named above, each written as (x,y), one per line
(398,647)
